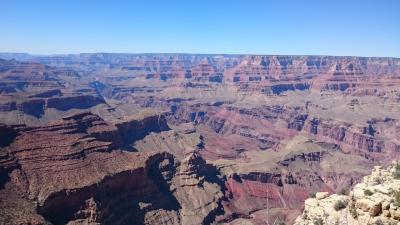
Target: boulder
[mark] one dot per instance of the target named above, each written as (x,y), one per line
(321,195)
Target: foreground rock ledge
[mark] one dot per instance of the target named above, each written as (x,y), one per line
(373,201)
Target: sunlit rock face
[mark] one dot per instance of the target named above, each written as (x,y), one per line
(374,200)
(190,139)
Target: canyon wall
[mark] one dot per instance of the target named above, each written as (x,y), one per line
(186,138)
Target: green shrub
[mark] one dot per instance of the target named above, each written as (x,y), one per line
(318,221)
(378,180)
(280,223)
(368,192)
(312,195)
(339,205)
(344,191)
(396,173)
(353,211)
(397,198)
(305,217)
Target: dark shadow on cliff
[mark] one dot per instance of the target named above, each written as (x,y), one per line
(4,178)
(7,135)
(123,198)
(161,173)
(135,130)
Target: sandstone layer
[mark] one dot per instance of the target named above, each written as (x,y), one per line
(187,138)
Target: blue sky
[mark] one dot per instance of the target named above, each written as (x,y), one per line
(300,27)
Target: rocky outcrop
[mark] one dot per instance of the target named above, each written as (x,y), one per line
(74,173)
(199,190)
(118,197)
(373,201)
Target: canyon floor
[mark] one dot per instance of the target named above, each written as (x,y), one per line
(188,139)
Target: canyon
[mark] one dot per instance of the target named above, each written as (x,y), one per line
(109,138)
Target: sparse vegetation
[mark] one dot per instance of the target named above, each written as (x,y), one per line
(378,180)
(397,198)
(305,215)
(396,173)
(368,192)
(344,191)
(339,205)
(280,222)
(318,221)
(353,211)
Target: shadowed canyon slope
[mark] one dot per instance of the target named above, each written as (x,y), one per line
(188,139)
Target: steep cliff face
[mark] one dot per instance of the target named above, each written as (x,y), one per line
(199,190)
(248,138)
(8,134)
(346,134)
(37,107)
(135,195)
(373,201)
(7,161)
(133,130)
(74,173)
(355,139)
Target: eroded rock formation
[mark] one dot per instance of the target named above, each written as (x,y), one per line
(188,139)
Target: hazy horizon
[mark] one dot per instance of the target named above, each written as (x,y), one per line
(184,53)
